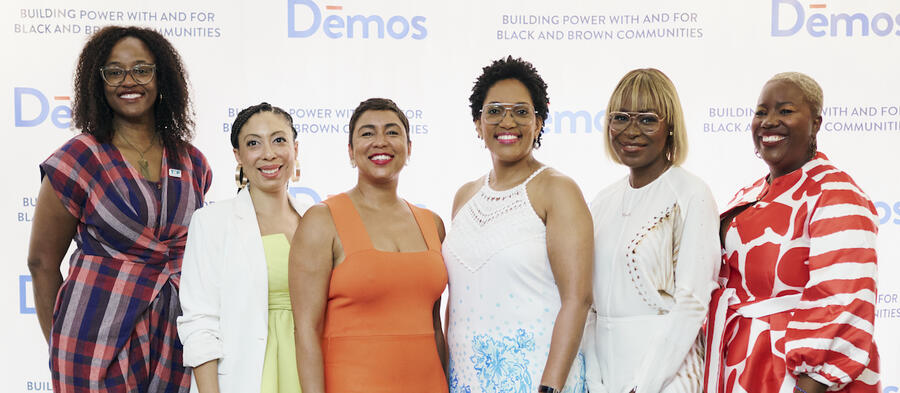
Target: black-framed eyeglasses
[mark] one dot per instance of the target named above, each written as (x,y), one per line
(647,122)
(115,75)
(493,113)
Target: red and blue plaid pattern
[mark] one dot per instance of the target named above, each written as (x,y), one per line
(114,319)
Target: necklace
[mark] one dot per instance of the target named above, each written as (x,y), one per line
(142,163)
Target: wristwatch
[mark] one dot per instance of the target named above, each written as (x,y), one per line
(547,389)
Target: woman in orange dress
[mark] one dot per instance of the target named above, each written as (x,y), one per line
(366,274)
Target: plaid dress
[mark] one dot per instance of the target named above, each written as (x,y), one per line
(114,319)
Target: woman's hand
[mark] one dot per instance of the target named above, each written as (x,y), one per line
(809,385)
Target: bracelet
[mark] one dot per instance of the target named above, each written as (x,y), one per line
(547,389)
(797,387)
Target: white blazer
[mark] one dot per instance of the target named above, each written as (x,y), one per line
(225,293)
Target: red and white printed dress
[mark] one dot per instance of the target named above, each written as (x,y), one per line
(799,272)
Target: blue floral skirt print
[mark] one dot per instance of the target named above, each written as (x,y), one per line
(507,364)
(503,297)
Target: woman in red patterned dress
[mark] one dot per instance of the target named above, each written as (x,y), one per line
(797,310)
(124,190)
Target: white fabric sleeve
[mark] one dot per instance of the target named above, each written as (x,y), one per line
(201,274)
(697,259)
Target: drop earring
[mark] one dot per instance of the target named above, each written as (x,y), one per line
(296,176)
(239,177)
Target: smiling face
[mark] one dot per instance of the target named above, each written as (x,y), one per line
(640,150)
(131,100)
(380,145)
(267,151)
(784,127)
(508,140)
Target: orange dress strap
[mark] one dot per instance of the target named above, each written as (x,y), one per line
(425,219)
(349,225)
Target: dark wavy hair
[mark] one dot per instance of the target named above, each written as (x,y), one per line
(512,68)
(249,111)
(172,109)
(378,104)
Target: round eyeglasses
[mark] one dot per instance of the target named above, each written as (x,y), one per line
(495,112)
(115,75)
(647,122)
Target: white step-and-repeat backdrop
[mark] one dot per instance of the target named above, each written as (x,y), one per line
(319,58)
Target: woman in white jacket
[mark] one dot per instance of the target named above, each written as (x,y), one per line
(237,326)
(656,251)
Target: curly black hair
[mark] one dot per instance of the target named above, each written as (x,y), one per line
(377,104)
(172,109)
(512,68)
(249,111)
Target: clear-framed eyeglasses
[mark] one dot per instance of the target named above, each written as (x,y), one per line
(493,113)
(115,75)
(647,122)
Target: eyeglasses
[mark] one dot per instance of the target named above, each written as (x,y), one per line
(494,113)
(647,122)
(115,75)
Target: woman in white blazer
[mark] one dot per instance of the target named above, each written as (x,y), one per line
(234,279)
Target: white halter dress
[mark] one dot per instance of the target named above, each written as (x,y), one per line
(503,298)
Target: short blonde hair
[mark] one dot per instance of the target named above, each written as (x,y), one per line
(650,89)
(811,90)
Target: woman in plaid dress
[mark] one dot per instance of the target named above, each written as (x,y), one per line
(124,189)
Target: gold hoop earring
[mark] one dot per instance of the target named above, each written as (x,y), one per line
(239,177)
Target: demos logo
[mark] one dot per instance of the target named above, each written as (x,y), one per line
(33,108)
(888,213)
(789,17)
(26,302)
(579,121)
(305,19)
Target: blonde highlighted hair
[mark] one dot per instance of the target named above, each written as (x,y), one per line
(811,90)
(648,89)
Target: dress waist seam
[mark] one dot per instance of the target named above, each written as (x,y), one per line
(370,336)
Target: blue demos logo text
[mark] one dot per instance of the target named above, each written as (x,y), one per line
(33,108)
(305,18)
(575,122)
(309,193)
(24,298)
(789,17)
(886,211)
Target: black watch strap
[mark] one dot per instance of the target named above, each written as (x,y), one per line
(547,389)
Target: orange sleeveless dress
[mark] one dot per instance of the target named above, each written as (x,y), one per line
(378,334)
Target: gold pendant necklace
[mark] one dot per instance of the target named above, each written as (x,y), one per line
(144,166)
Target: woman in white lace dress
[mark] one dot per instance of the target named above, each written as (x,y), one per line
(656,252)
(518,252)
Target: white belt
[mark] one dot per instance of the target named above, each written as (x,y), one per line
(716,332)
